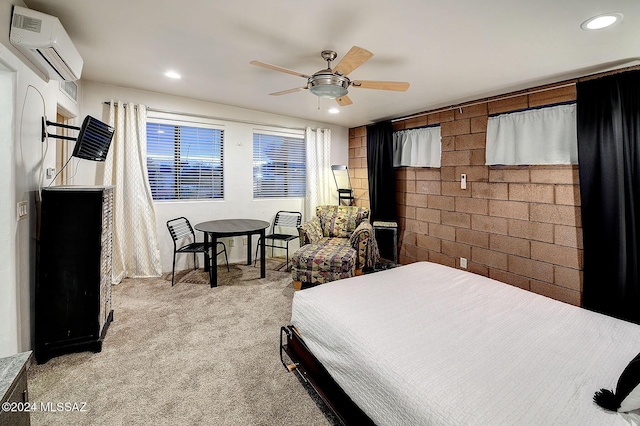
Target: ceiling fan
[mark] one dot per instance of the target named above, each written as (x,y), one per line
(334,83)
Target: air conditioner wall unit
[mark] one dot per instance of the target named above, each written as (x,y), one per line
(43,40)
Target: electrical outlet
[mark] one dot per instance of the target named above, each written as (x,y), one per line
(463,263)
(232,242)
(463,181)
(51,171)
(244,241)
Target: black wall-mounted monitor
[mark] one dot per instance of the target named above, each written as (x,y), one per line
(94,140)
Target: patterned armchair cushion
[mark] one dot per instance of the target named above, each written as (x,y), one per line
(328,260)
(340,221)
(310,232)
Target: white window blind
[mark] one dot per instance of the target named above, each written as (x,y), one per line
(184,161)
(538,136)
(279,164)
(417,147)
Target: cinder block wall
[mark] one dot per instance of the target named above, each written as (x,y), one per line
(520,225)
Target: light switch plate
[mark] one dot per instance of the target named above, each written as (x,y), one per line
(463,181)
(22,210)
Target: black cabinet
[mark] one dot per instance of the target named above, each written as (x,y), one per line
(73,288)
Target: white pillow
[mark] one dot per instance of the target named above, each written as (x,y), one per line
(631,402)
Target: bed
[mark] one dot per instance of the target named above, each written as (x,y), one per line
(426,344)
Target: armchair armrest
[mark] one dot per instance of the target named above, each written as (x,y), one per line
(364,241)
(310,232)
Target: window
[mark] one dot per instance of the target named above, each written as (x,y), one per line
(279,165)
(184,162)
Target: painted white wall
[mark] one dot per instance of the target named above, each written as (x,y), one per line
(238,163)
(26,98)
(8,289)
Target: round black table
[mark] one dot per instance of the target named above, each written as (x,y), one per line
(231,228)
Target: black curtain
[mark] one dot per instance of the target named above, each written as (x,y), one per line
(608,120)
(382,181)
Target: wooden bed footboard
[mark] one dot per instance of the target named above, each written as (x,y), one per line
(313,372)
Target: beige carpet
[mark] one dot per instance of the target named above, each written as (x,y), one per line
(187,355)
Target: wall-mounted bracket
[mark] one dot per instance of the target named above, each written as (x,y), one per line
(46,123)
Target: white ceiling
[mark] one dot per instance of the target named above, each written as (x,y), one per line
(450,51)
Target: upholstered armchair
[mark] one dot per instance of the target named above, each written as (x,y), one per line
(337,243)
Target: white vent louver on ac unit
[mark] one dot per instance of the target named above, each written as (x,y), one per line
(44,42)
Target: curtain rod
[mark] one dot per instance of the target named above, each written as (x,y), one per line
(558,85)
(211,117)
(473,103)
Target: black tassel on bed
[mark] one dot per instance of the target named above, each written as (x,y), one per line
(627,395)
(607,400)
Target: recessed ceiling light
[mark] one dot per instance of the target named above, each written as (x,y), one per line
(173,74)
(601,21)
(334,111)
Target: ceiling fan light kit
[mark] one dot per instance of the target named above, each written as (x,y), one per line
(334,83)
(328,85)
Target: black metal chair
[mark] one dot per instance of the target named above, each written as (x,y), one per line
(286,219)
(182,232)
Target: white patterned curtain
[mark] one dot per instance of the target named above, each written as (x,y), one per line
(135,243)
(319,175)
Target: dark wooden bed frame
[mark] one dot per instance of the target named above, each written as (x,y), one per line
(313,372)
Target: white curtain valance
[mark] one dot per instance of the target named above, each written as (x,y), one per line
(539,136)
(417,147)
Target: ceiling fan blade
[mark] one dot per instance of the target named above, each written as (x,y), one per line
(344,100)
(352,60)
(286,92)
(398,86)
(277,68)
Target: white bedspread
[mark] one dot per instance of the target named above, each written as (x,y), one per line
(425,344)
